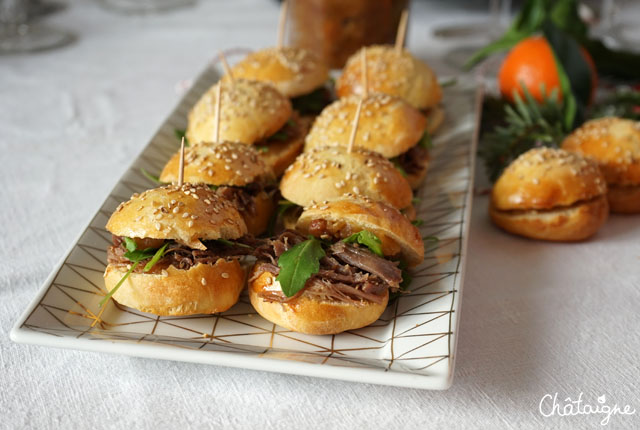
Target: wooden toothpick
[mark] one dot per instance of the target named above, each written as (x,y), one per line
(216,132)
(402,30)
(354,128)
(282,23)
(365,79)
(227,69)
(181,170)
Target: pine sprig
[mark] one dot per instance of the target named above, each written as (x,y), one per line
(527,124)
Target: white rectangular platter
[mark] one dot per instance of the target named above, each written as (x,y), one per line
(412,345)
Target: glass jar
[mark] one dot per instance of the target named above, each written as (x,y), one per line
(335,29)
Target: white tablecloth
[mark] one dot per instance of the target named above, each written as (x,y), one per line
(537,318)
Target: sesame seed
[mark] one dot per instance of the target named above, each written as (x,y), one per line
(225,275)
(203,281)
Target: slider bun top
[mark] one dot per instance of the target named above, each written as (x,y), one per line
(293,71)
(227,163)
(350,214)
(546,178)
(614,143)
(396,73)
(249,112)
(387,124)
(328,172)
(184,214)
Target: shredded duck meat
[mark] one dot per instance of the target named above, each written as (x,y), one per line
(414,160)
(347,273)
(181,256)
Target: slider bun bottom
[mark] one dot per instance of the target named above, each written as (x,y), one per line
(565,224)
(311,316)
(258,223)
(182,292)
(624,199)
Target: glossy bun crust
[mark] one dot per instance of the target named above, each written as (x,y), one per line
(389,72)
(250,111)
(387,125)
(227,163)
(550,194)
(202,289)
(615,144)
(309,315)
(293,71)
(350,214)
(185,214)
(328,172)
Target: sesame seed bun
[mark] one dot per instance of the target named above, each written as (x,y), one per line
(310,315)
(327,172)
(279,155)
(185,214)
(390,72)
(387,125)
(550,194)
(227,163)
(615,144)
(350,214)
(293,71)
(202,289)
(250,111)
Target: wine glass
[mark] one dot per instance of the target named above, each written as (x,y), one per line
(19,34)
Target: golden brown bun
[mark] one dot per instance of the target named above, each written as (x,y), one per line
(279,155)
(185,214)
(258,222)
(387,125)
(545,178)
(624,199)
(573,223)
(227,163)
(309,315)
(389,72)
(249,111)
(293,71)
(327,172)
(350,214)
(614,143)
(202,289)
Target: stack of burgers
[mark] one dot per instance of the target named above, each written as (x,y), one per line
(344,224)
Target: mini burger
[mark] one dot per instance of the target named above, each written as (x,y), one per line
(175,252)
(388,125)
(550,194)
(336,271)
(328,172)
(397,73)
(614,143)
(236,172)
(253,113)
(296,72)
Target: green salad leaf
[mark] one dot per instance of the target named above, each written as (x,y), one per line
(298,264)
(231,243)
(149,176)
(368,239)
(425,141)
(397,165)
(180,133)
(417,222)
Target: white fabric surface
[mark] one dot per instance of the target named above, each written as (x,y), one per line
(537,318)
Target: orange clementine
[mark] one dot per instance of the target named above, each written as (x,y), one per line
(531,63)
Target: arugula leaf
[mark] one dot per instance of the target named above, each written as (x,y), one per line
(151,177)
(130,244)
(415,200)
(298,264)
(397,165)
(283,206)
(433,239)
(425,141)
(156,257)
(291,123)
(448,83)
(180,133)
(230,243)
(313,102)
(280,136)
(261,148)
(417,222)
(368,239)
